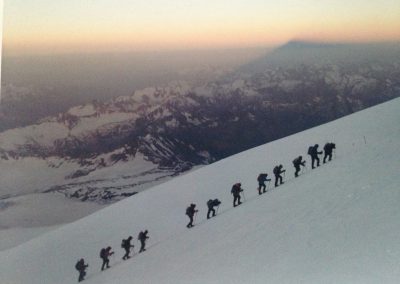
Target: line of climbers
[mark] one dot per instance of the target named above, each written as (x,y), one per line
(105,254)
(236,191)
(191,210)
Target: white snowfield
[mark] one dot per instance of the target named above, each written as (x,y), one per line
(339,223)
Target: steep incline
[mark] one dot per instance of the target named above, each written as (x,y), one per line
(336,224)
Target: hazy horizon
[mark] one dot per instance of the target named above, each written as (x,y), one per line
(39,85)
(57,54)
(59,27)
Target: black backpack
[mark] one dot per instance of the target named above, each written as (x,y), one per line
(310,150)
(262,177)
(78,265)
(123,243)
(276,170)
(188,211)
(140,236)
(103,253)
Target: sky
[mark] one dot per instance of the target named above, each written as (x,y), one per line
(59,26)
(1,37)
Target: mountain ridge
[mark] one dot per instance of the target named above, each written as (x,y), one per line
(333,224)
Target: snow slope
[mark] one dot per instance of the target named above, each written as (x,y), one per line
(26,211)
(336,224)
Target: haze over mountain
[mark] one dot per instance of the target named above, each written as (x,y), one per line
(298,52)
(38,86)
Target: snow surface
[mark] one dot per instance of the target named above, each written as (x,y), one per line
(89,124)
(20,235)
(30,175)
(26,211)
(38,210)
(46,133)
(83,110)
(338,223)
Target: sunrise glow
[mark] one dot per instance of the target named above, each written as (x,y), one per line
(55,26)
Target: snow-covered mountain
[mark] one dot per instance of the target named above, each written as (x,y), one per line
(174,128)
(79,152)
(106,151)
(335,224)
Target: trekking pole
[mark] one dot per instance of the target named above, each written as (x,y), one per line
(195,217)
(244,197)
(216,213)
(268,185)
